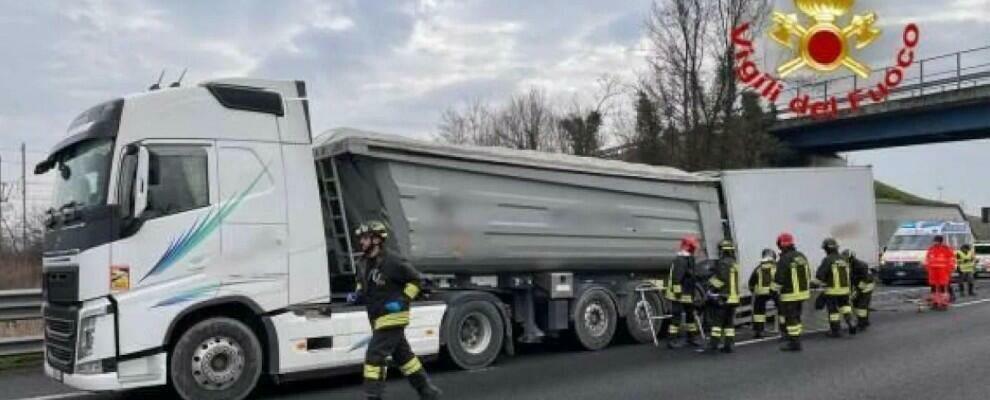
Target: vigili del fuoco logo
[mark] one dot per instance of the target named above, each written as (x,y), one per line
(824,44)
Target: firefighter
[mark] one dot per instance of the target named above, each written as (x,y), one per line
(725,296)
(387,285)
(862,285)
(791,281)
(680,290)
(834,274)
(966,265)
(760,285)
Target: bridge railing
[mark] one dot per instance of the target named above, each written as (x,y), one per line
(946,72)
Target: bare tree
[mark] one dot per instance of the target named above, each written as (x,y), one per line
(527,121)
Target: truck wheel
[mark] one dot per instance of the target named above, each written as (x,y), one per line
(474,333)
(219,358)
(638,321)
(595,317)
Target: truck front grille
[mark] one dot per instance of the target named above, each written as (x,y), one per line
(60,336)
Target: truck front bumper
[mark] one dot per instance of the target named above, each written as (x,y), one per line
(139,372)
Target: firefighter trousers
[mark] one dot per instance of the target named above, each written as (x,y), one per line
(760,311)
(681,319)
(387,343)
(861,307)
(790,313)
(839,309)
(723,322)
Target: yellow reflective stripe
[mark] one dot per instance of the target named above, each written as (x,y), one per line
(834,317)
(794,330)
(411,290)
(862,312)
(686,298)
(733,285)
(762,291)
(716,282)
(411,367)
(673,329)
(775,287)
(729,332)
(759,318)
(693,327)
(866,287)
(841,291)
(372,372)
(845,309)
(800,296)
(391,320)
(676,288)
(717,331)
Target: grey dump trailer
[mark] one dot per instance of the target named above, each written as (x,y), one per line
(560,242)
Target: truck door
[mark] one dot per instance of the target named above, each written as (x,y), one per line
(166,252)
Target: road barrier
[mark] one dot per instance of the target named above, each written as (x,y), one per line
(18,305)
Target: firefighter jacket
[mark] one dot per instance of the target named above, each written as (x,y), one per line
(862,280)
(834,274)
(387,285)
(966,261)
(725,281)
(793,276)
(680,279)
(761,280)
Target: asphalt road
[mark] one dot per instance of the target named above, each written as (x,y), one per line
(905,355)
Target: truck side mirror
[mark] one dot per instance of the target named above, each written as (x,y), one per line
(141,182)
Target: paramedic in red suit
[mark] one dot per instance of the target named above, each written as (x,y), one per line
(940,261)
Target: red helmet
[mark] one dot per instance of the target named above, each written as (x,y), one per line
(689,244)
(785,240)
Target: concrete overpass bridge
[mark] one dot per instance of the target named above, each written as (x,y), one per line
(943,99)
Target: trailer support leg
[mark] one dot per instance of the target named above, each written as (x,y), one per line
(526,313)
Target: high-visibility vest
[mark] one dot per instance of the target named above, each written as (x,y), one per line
(966,261)
(840,278)
(732,291)
(764,278)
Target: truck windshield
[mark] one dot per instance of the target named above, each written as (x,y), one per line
(923,242)
(82,171)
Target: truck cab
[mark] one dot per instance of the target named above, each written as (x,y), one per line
(171,208)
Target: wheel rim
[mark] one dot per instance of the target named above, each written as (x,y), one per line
(217,363)
(595,319)
(475,333)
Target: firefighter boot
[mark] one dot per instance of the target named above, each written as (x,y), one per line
(862,324)
(728,345)
(834,330)
(793,343)
(852,327)
(674,342)
(421,382)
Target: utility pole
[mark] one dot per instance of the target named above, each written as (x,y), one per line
(24,218)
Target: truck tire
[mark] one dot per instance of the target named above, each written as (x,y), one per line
(637,318)
(474,333)
(595,318)
(218,358)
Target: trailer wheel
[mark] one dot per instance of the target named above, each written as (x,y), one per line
(638,318)
(474,334)
(595,317)
(218,358)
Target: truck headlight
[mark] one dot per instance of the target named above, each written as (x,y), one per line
(87,333)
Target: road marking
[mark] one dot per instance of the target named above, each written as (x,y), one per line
(59,396)
(969,303)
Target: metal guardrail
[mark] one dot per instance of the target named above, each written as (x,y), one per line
(20,304)
(15,305)
(946,72)
(21,345)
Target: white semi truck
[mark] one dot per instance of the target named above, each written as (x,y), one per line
(200,237)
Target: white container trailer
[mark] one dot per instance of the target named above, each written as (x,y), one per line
(810,203)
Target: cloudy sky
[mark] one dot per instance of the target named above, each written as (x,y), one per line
(396,65)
